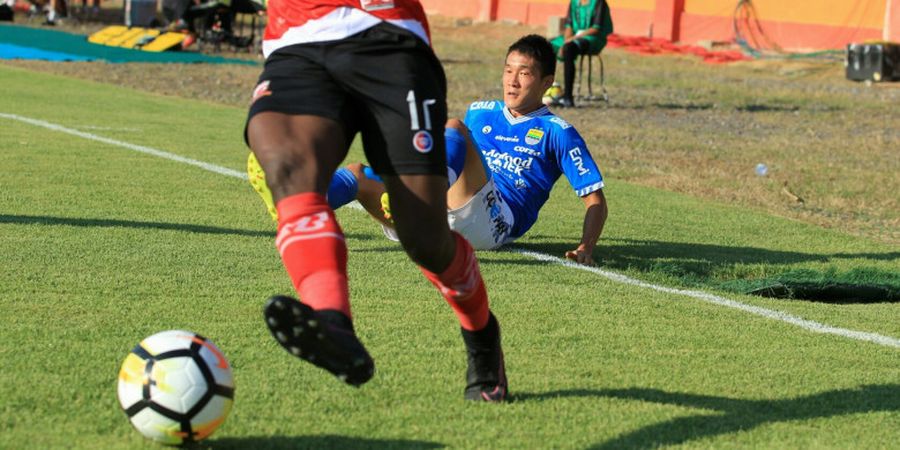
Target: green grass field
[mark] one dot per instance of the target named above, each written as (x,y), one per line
(102,246)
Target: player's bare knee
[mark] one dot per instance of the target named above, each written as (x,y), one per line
(286,172)
(419,251)
(357,170)
(427,249)
(456,124)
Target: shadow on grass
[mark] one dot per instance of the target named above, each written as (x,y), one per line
(707,264)
(315,442)
(728,415)
(118,223)
(684,106)
(691,259)
(767,108)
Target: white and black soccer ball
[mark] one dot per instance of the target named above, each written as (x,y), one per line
(176,387)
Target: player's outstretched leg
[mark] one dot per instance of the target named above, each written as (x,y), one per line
(319,329)
(324,338)
(463,288)
(418,202)
(299,154)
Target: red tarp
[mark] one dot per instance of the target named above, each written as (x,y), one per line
(657,46)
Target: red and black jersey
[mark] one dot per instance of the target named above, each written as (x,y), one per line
(304,21)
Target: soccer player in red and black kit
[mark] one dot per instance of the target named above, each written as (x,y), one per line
(335,68)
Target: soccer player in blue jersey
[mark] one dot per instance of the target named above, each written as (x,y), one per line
(503,159)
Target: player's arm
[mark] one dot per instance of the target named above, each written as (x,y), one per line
(589,32)
(584,176)
(595,215)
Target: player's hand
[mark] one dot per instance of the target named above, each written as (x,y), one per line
(581,256)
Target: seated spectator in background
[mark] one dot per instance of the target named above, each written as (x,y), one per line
(174,13)
(93,10)
(53,9)
(197,17)
(587,24)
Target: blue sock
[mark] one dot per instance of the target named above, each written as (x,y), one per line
(456,153)
(342,189)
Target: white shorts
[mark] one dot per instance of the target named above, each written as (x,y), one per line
(485,220)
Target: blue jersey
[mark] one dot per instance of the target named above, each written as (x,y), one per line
(527,154)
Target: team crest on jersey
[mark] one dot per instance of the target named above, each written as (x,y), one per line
(423,142)
(375,5)
(487,129)
(534,136)
(261,90)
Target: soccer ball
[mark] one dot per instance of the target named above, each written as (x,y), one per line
(176,387)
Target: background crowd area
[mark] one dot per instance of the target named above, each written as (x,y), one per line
(235,22)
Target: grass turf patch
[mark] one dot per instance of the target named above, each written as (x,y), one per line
(104,246)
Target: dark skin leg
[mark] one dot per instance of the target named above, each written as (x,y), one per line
(299,153)
(419,209)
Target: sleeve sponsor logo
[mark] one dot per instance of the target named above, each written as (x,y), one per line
(562,123)
(575,154)
(534,136)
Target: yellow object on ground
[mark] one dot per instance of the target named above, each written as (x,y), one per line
(128,36)
(164,42)
(138,40)
(106,34)
(258,181)
(147,39)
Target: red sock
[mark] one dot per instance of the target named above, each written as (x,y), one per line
(462,286)
(313,250)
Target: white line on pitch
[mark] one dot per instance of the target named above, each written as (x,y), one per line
(722,301)
(699,295)
(138,148)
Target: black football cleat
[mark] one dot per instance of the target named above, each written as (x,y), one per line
(486,373)
(324,338)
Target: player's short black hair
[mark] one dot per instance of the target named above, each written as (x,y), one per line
(539,48)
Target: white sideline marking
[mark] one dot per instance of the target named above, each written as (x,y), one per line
(809,325)
(722,301)
(138,148)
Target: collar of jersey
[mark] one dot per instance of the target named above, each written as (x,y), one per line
(525,117)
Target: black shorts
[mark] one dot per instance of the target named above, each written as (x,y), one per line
(383,82)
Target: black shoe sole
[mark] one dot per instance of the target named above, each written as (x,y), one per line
(296,328)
